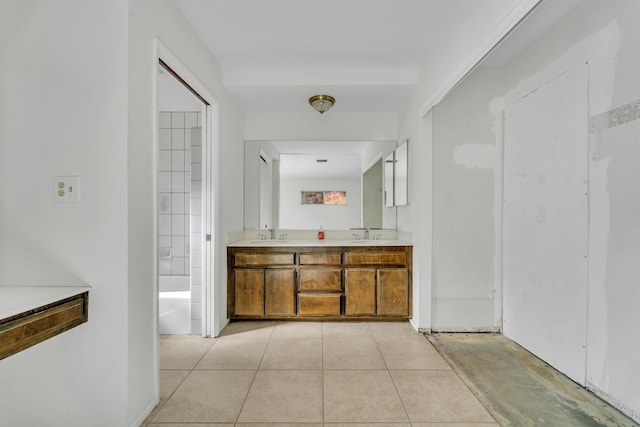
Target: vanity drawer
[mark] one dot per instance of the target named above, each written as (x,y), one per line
(321,259)
(320,279)
(30,328)
(318,304)
(377,258)
(264,259)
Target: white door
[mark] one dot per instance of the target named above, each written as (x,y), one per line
(545,221)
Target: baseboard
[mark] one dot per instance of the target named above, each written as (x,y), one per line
(635,416)
(143,416)
(484,329)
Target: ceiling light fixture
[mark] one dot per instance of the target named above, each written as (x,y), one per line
(322,103)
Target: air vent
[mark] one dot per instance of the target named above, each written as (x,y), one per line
(321,160)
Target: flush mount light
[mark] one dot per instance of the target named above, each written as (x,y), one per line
(322,103)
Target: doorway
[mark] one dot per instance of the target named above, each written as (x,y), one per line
(185,254)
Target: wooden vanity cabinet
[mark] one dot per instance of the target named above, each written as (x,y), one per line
(261,284)
(367,282)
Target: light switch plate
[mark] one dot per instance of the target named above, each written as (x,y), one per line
(66,189)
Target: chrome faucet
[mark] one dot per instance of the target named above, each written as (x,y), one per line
(283,235)
(356,236)
(272,233)
(366,233)
(262,236)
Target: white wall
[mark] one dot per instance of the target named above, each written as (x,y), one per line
(468,184)
(294,215)
(312,126)
(63,111)
(161,19)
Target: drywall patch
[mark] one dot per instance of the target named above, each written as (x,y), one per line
(616,117)
(472,156)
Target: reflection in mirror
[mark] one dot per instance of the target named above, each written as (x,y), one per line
(273,196)
(401,188)
(388,180)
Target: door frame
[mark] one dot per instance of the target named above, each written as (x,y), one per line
(210,194)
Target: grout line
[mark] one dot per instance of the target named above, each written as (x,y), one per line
(395,386)
(244,401)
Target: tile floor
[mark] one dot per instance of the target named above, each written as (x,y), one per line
(311,374)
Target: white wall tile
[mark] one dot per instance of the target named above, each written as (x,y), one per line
(177,225)
(177,203)
(195,137)
(177,266)
(177,119)
(177,246)
(164,161)
(164,266)
(164,136)
(164,241)
(196,174)
(190,120)
(196,277)
(196,205)
(196,189)
(199,119)
(196,293)
(177,139)
(196,259)
(196,327)
(196,310)
(187,160)
(164,120)
(164,225)
(187,264)
(196,241)
(177,182)
(164,182)
(164,203)
(196,154)
(177,160)
(196,224)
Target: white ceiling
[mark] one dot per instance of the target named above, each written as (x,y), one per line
(275,54)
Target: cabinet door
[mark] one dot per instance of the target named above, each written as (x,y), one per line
(249,292)
(393,292)
(280,292)
(360,291)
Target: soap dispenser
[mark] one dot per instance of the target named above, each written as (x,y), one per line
(321,233)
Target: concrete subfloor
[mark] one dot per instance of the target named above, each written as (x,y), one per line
(519,389)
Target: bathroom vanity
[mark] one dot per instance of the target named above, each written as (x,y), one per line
(319,279)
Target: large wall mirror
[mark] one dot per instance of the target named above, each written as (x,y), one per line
(306,184)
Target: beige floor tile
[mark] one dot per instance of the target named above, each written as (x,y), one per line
(438,396)
(395,329)
(361,396)
(237,352)
(191,425)
(367,425)
(282,396)
(410,353)
(346,330)
(455,425)
(293,353)
(351,353)
(278,424)
(183,351)
(250,329)
(170,380)
(298,330)
(207,396)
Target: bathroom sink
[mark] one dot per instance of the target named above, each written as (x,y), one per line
(269,242)
(369,242)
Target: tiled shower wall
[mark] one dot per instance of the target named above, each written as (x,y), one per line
(180,202)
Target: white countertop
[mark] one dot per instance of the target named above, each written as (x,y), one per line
(18,299)
(257,243)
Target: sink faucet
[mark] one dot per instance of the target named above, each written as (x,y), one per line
(283,235)
(356,236)
(262,236)
(272,233)
(366,233)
